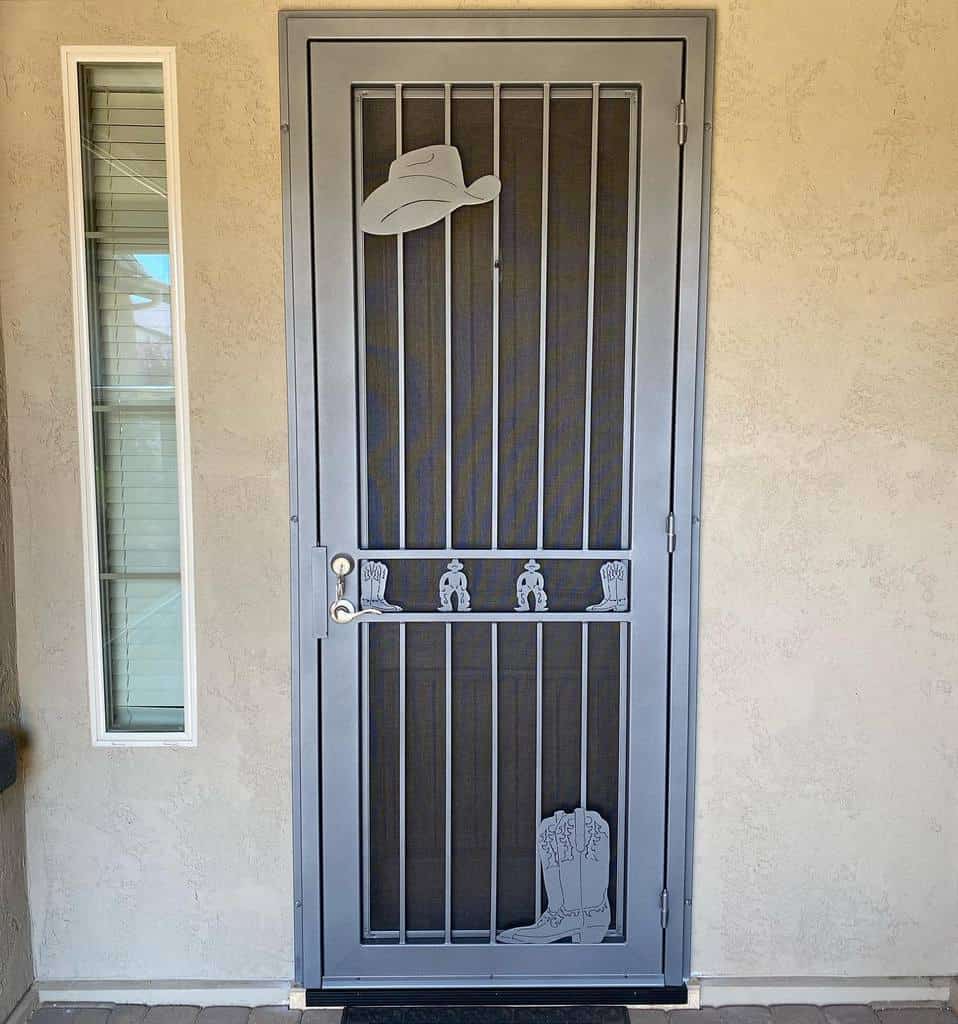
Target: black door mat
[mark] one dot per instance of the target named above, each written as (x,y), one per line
(486,1015)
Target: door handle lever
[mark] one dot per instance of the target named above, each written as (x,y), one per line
(342,611)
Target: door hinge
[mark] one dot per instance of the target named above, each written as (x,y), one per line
(670,532)
(681,126)
(664,905)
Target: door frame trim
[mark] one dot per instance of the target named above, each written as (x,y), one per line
(297,29)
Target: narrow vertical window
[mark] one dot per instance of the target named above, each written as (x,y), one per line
(132,395)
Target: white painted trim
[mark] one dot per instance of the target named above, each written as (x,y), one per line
(71,57)
(822,991)
(167,993)
(23,1011)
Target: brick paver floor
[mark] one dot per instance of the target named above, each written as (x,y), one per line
(86,1013)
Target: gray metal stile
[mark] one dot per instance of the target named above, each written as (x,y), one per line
(364,697)
(590,327)
(538,760)
(629,340)
(401,342)
(292,350)
(447,109)
(496,111)
(360,322)
(584,719)
(447,112)
(687,482)
(448,784)
(363,486)
(620,789)
(543,282)
(402,783)
(494,844)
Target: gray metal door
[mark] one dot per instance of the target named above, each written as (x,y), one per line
(494,403)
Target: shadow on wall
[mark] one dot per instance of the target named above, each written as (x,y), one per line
(12,743)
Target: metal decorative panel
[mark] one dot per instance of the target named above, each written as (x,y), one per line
(496,347)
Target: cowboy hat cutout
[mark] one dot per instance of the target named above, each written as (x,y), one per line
(423,186)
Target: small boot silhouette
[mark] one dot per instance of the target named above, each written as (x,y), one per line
(372,587)
(615,593)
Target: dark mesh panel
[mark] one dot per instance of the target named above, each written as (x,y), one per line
(608,352)
(561,715)
(472,272)
(471,774)
(520,231)
(425,775)
(383,757)
(515,898)
(382,337)
(425,339)
(602,783)
(570,156)
(571,585)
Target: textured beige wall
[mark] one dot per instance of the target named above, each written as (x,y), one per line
(16,961)
(828,774)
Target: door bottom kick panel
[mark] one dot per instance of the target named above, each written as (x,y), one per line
(646,991)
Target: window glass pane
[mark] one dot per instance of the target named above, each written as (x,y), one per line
(133,393)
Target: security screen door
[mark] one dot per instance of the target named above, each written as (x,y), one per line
(495,245)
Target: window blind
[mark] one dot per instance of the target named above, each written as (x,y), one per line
(133,384)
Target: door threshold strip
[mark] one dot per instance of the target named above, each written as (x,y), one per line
(494,999)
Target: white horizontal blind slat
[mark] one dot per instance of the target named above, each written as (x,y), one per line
(135,436)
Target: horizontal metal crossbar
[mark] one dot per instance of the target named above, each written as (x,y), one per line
(485,92)
(477,554)
(506,616)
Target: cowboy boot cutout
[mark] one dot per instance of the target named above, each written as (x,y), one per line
(574,853)
(615,597)
(550,924)
(372,587)
(585,877)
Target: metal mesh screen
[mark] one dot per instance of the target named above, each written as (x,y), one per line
(496,361)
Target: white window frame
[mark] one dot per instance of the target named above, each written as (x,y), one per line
(72,57)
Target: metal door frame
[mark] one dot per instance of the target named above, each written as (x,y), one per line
(308,570)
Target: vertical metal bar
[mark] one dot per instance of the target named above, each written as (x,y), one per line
(447,94)
(402,782)
(448,858)
(538,763)
(361,325)
(590,325)
(365,775)
(543,281)
(584,719)
(401,345)
(494,857)
(629,320)
(620,825)
(496,271)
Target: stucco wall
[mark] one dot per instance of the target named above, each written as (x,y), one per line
(828,775)
(16,962)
